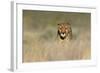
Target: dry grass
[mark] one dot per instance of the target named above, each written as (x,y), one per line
(37,48)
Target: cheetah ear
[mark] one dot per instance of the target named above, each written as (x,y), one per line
(58,24)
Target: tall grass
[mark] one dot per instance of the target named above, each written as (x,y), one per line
(40,47)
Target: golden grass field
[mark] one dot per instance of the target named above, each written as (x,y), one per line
(40,41)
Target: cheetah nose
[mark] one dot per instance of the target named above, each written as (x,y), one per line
(63,33)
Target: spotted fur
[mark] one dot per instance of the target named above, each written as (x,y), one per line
(64,31)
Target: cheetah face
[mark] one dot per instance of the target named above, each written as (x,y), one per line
(63,30)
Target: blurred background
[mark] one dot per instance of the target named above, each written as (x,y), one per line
(40,33)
